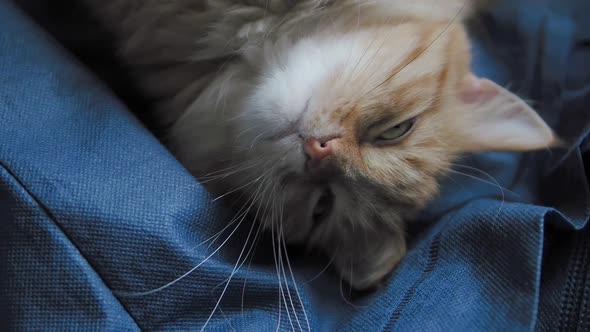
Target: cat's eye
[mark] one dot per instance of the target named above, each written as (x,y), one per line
(397,132)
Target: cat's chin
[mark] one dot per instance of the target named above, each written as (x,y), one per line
(357,294)
(371,264)
(373,281)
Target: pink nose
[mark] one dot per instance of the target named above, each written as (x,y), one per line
(318,149)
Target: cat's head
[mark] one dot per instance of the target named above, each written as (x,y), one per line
(346,132)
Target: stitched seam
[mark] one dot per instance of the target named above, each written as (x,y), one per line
(431,262)
(572,298)
(433,254)
(539,274)
(52,217)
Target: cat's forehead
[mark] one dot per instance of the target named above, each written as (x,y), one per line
(396,63)
(409,84)
(368,72)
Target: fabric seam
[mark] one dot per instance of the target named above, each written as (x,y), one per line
(539,274)
(431,262)
(52,217)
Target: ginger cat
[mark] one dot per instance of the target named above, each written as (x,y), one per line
(334,120)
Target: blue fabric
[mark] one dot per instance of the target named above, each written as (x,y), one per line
(93,208)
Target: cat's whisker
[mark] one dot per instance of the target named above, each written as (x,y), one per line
(494,183)
(352,45)
(282,275)
(256,238)
(238,215)
(277,258)
(251,199)
(217,235)
(169,284)
(272,219)
(227,320)
(421,51)
(226,174)
(240,262)
(284,279)
(241,213)
(230,170)
(291,271)
(353,71)
(238,116)
(344,297)
(255,140)
(367,64)
(377,68)
(248,258)
(269,201)
(322,271)
(358,24)
(276,164)
(245,185)
(237,165)
(237,262)
(281,244)
(372,58)
(245,131)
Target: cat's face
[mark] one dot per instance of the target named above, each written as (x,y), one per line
(347,135)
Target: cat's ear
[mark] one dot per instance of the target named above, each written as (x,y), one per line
(498,120)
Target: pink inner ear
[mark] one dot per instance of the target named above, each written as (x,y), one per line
(475,90)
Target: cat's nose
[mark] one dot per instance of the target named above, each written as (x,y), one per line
(318,149)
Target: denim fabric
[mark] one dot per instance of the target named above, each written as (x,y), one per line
(94,209)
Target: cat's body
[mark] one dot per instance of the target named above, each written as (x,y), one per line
(335,118)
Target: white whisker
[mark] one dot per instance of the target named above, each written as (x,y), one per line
(283,277)
(244,186)
(230,168)
(322,271)
(494,183)
(281,249)
(277,257)
(292,275)
(236,217)
(139,294)
(345,299)
(235,266)
(254,244)
(207,179)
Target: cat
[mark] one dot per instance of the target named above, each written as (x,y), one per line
(333,120)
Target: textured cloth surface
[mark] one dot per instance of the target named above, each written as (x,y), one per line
(94,209)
